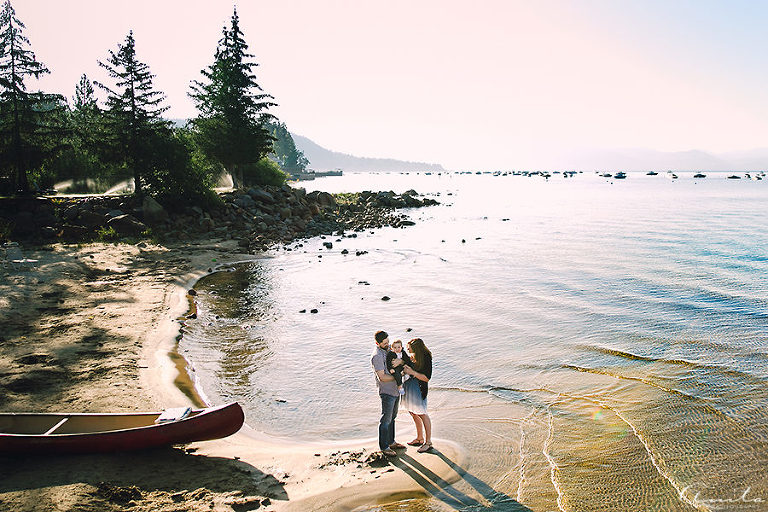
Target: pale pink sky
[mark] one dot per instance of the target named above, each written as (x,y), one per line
(494,84)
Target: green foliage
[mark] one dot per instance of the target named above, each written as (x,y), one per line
(31,123)
(107,234)
(42,178)
(344,198)
(132,120)
(179,175)
(285,151)
(264,172)
(233,109)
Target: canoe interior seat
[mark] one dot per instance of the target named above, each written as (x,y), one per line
(174,414)
(56,426)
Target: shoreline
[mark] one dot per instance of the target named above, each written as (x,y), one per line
(255,470)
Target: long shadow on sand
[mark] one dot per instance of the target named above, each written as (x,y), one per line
(170,470)
(494,501)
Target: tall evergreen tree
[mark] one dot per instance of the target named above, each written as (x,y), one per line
(85,113)
(233,107)
(290,157)
(133,113)
(31,123)
(81,161)
(84,98)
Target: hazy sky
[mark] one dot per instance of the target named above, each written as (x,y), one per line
(469,84)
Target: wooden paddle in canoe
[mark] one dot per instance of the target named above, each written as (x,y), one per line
(22,433)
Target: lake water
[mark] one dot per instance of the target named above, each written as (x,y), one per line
(598,344)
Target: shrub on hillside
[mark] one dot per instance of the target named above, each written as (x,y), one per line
(264,172)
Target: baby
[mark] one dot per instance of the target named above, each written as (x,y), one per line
(396,352)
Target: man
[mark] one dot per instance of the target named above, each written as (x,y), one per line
(388,393)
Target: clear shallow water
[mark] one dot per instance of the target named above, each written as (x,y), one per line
(598,345)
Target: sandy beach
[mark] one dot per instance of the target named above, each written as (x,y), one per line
(92,328)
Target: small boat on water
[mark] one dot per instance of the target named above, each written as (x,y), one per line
(651,173)
(699,175)
(26,433)
(620,175)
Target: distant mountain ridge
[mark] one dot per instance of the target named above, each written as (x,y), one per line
(647,159)
(625,159)
(322,159)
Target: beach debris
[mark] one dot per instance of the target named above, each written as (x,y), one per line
(246,504)
(117,494)
(192,292)
(34,359)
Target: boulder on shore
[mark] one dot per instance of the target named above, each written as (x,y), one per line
(127,225)
(154,213)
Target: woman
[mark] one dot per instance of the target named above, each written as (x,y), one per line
(416,389)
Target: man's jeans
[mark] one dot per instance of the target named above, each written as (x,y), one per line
(387,423)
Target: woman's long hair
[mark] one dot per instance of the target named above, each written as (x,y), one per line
(420,352)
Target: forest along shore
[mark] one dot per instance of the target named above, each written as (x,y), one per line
(258,218)
(78,328)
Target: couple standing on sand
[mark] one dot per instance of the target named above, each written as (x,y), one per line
(389,367)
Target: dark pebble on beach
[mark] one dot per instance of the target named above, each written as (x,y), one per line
(385,298)
(345,251)
(280,400)
(328,245)
(313,311)
(463,241)
(303,311)
(408,330)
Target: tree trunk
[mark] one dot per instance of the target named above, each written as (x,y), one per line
(237,176)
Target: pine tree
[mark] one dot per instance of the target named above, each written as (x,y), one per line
(133,113)
(85,113)
(290,157)
(31,123)
(233,107)
(84,99)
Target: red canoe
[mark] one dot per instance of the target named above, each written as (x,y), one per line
(94,433)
